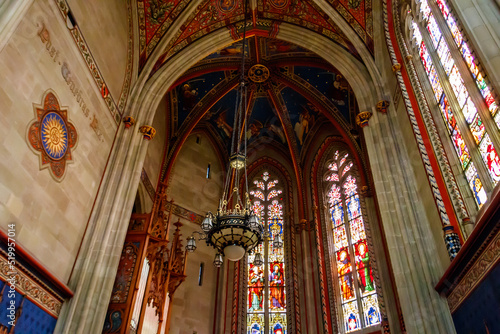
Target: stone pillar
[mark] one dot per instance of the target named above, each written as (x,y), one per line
(96,266)
(409,238)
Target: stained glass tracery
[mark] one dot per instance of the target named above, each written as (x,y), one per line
(467,106)
(356,286)
(266,297)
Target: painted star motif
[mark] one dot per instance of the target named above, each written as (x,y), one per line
(52,136)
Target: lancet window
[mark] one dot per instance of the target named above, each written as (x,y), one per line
(356,289)
(266,297)
(462,93)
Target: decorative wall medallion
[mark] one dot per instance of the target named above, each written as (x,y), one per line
(226,6)
(258,73)
(52,136)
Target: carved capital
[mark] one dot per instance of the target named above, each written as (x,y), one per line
(129,121)
(382,106)
(365,191)
(304,225)
(396,67)
(363,117)
(147,131)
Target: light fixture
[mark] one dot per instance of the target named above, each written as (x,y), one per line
(234,230)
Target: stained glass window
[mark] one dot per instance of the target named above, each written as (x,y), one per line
(470,60)
(356,287)
(266,297)
(467,107)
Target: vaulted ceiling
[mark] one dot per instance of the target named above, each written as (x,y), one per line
(292,91)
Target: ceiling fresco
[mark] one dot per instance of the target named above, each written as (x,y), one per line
(156,17)
(301,91)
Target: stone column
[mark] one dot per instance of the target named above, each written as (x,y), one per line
(95,269)
(409,238)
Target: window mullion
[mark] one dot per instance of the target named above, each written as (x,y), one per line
(455,106)
(266,267)
(469,81)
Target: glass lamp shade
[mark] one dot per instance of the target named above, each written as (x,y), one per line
(253,222)
(277,242)
(234,252)
(207,224)
(191,244)
(218,260)
(258,261)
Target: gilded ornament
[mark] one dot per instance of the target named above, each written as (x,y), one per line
(382,106)
(129,121)
(147,131)
(396,67)
(258,73)
(363,117)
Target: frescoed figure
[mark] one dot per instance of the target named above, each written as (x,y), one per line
(190,97)
(302,126)
(254,129)
(337,92)
(255,289)
(222,124)
(276,288)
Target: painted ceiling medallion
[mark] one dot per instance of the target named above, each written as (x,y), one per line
(226,6)
(52,136)
(258,73)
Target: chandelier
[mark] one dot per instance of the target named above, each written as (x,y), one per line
(234,229)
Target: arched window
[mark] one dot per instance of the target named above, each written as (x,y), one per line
(266,297)
(358,302)
(464,98)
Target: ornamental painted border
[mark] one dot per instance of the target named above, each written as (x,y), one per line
(94,69)
(61,138)
(36,291)
(482,266)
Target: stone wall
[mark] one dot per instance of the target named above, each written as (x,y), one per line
(50,213)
